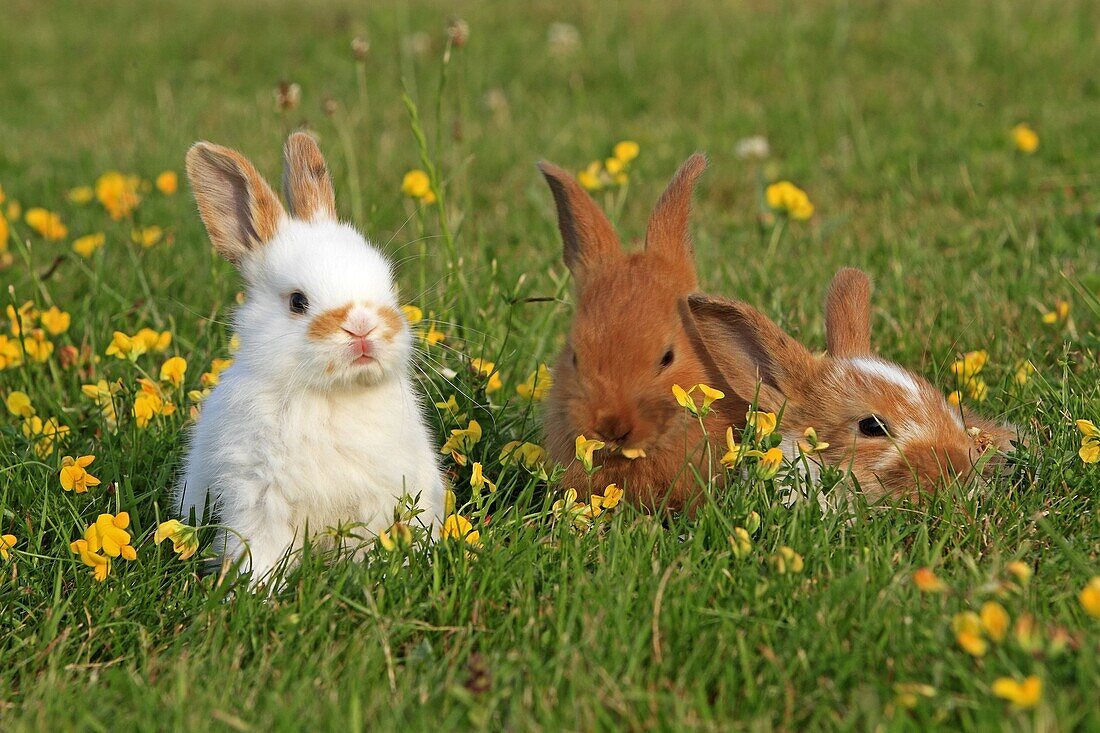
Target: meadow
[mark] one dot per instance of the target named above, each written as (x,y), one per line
(972,610)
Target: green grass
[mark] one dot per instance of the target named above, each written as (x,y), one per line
(893,116)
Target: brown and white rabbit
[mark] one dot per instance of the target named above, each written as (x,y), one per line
(632,339)
(891,428)
(640,327)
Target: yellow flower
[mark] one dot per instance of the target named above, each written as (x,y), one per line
(810,442)
(995,620)
(1027,636)
(398,535)
(585,450)
(150,402)
(450,406)
(487,369)
(1021,570)
(173,370)
(529,455)
(954,398)
(105,539)
(80,195)
(22,318)
(102,393)
(118,193)
(11,353)
(612,495)
(14,211)
(537,385)
(1025,139)
(927,581)
(19,404)
(457,526)
(907,693)
(154,341)
(787,198)
(168,183)
(56,321)
(626,151)
(146,236)
(1090,597)
(433,336)
(1024,370)
(1024,695)
(7,542)
(770,463)
(413,314)
(590,178)
(740,542)
(217,366)
(45,433)
(1060,313)
(968,633)
(185,538)
(46,223)
(5,234)
(614,166)
(685,400)
(89,244)
(734,451)
(74,474)
(461,441)
(969,366)
(478,480)
(418,185)
(977,389)
(124,347)
(763,423)
(787,560)
(1090,441)
(37,347)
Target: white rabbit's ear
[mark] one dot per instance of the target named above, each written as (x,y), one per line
(239,209)
(756,357)
(307,186)
(848,314)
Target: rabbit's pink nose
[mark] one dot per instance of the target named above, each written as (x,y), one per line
(357,330)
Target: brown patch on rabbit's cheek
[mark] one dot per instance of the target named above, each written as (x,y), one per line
(327,323)
(393,322)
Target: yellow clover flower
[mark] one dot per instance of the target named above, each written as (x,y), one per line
(762,423)
(153,340)
(1024,695)
(1090,441)
(769,464)
(45,433)
(478,480)
(124,347)
(786,198)
(462,440)
(74,474)
(1024,138)
(927,581)
(685,400)
(55,321)
(19,404)
(173,370)
(537,385)
(968,633)
(89,244)
(1090,597)
(146,236)
(80,195)
(11,353)
(488,370)
(787,560)
(1059,314)
(626,151)
(167,183)
(416,184)
(118,193)
(149,402)
(585,450)
(413,314)
(185,538)
(46,223)
(7,542)
(995,620)
(810,443)
(457,526)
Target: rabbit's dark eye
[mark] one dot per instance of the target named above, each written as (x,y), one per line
(873,427)
(299,303)
(666,360)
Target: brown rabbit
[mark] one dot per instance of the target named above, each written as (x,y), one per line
(892,429)
(640,328)
(632,339)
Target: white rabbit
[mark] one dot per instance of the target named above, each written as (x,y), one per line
(317,421)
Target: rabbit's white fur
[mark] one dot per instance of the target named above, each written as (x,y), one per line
(297,435)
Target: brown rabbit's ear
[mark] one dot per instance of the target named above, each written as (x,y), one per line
(307,186)
(749,348)
(587,235)
(848,314)
(239,209)
(667,234)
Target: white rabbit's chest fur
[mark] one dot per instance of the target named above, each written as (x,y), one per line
(274,464)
